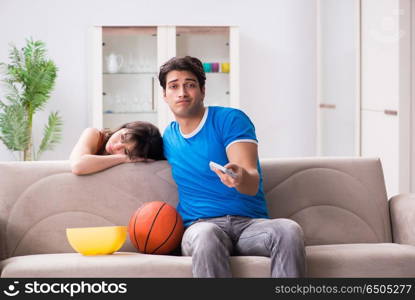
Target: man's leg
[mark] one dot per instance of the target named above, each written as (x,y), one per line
(279,239)
(210,248)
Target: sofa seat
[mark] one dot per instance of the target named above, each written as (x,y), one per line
(361,260)
(343,260)
(120,264)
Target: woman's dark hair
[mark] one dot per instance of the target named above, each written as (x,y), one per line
(146,138)
(187,63)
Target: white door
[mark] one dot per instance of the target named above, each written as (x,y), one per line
(386,89)
(380,139)
(338,78)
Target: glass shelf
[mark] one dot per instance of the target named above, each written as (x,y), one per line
(130,73)
(225,73)
(154,73)
(128,112)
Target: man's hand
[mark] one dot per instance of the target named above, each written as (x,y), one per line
(228,180)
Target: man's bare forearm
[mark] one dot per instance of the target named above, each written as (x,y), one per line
(250,182)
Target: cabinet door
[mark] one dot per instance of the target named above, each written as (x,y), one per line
(380,139)
(381,35)
(412,107)
(338,78)
(215,47)
(218,49)
(129,60)
(338,130)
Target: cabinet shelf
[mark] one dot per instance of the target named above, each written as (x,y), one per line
(129,112)
(131,73)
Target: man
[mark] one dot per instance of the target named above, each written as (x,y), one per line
(222,215)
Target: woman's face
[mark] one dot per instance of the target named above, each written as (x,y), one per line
(117,143)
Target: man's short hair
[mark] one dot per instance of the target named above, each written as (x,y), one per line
(187,63)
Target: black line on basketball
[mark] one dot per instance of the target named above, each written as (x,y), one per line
(168,237)
(135,221)
(151,227)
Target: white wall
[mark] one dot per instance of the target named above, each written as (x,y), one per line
(277,48)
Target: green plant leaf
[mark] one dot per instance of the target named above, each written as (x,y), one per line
(13,126)
(52,133)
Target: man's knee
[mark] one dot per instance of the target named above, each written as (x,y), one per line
(202,235)
(292,228)
(288,231)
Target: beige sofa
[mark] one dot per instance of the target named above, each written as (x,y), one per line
(351,229)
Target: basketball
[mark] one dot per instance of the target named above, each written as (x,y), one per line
(155,228)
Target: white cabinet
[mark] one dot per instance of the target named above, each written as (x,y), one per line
(338,78)
(380,139)
(124,64)
(412,154)
(364,71)
(385,84)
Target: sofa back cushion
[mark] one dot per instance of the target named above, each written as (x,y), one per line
(39,200)
(335,200)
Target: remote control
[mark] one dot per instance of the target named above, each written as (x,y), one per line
(222,169)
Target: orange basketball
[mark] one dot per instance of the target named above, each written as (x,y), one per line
(156,228)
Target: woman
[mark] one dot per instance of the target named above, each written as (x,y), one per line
(98,150)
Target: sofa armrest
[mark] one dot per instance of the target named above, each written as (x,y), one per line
(402,211)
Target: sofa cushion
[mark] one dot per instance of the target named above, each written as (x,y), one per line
(335,200)
(361,260)
(34,215)
(120,264)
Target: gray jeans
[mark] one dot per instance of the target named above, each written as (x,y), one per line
(211,241)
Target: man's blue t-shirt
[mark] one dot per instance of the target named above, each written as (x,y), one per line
(201,193)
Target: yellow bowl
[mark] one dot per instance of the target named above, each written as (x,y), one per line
(97,240)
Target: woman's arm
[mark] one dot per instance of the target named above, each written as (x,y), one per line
(83,159)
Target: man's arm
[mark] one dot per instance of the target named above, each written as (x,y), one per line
(242,158)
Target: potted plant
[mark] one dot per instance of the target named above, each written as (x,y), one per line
(28,81)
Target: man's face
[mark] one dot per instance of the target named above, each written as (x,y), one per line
(183,94)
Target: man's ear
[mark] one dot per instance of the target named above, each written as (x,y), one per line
(203,93)
(164,95)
